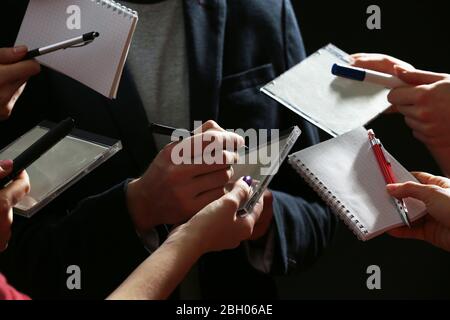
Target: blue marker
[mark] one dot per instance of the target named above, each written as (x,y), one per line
(358,74)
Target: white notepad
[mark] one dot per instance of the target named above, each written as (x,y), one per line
(335,105)
(345,174)
(98,65)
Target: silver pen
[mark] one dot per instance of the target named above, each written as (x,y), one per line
(70,43)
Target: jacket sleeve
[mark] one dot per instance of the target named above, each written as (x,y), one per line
(98,237)
(304,225)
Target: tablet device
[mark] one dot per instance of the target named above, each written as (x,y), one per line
(262,163)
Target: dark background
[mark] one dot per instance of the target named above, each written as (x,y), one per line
(417,32)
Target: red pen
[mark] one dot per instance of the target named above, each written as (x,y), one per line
(388,174)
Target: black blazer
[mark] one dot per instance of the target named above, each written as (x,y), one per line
(234,47)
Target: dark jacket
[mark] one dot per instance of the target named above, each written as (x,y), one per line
(234,47)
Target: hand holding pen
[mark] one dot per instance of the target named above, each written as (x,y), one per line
(388,174)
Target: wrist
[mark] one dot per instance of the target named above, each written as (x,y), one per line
(140,213)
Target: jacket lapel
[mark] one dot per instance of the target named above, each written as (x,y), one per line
(129,114)
(205,31)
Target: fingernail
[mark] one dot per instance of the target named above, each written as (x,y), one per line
(248,180)
(6,164)
(19,50)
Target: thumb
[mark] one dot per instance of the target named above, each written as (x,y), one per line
(12,55)
(411,190)
(241,191)
(418,77)
(5,168)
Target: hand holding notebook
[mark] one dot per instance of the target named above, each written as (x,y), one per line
(98,65)
(345,173)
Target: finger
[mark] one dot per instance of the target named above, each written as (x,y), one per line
(202,200)
(419,126)
(240,192)
(12,55)
(209,143)
(16,190)
(408,233)
(20,71)
(411,111)
(208,125)
(198,170)
(5,168)
(213,180)
(391,110)
(378,62)
(418,77)
(430,179)
(257,211)
(411,190)
(406,95)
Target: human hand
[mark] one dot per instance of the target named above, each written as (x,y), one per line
(170,193)
(14,74)
(381,63)
(218,227)
(9,197)
(434,192)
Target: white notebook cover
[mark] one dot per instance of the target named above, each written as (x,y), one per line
(346,168)
(98,65)
(335,105)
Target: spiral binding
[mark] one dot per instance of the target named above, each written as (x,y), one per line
(116,7)
(329,198)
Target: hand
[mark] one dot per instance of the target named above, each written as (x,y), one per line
(434,192)
(378,62)
(425,103)
(13,77)
(265,220)
(217,227)
(9,197)
(381,63)
(171,194)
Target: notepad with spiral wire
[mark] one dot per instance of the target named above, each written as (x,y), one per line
(98,65)
(344,172)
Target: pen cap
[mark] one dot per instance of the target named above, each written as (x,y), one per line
(349,73)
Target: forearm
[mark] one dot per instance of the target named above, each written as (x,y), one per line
(161,273)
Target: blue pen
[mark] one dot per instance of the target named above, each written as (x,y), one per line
(359,74)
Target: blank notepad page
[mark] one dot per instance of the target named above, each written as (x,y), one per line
(346,167)
(334,104)
(97,65)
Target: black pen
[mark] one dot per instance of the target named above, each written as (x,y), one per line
(37,149)
(169,131)
(81,40)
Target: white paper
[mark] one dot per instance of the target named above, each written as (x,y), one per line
(334,104)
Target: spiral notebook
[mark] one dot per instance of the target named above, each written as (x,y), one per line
(344,172)
(336,105)
(98,65)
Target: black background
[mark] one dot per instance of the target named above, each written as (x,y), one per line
(417,32)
